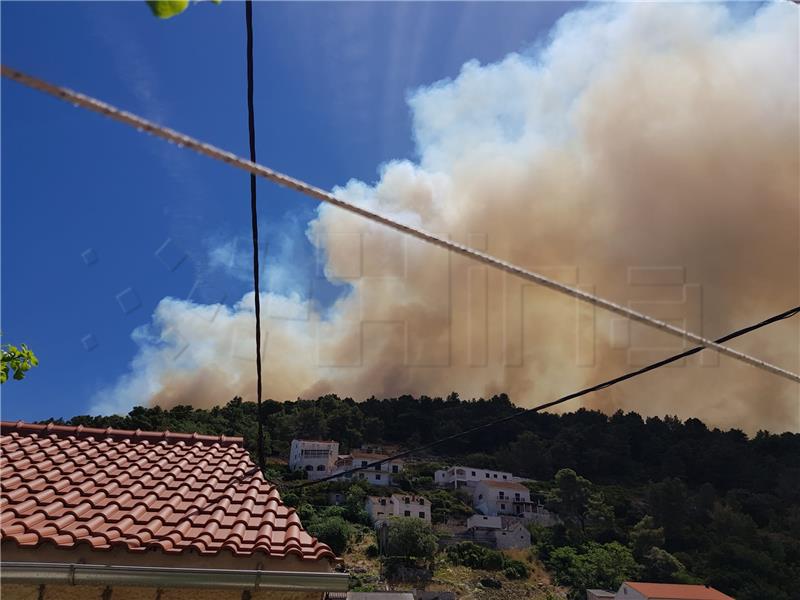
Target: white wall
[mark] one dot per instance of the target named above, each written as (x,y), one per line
(460,476)
(315,457)
(398,505)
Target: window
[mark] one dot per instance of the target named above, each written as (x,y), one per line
(504,477)
(487,475)
(501,494)
(495,475)
(383,501)
(422,501)
(502,507)
(377,476)
(407,513)
(421,515)
(473,473)
(320,467)
(363,463)
(516,496)
(406,500)
(395,469)
(309,468)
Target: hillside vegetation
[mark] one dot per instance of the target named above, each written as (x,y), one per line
(656,499)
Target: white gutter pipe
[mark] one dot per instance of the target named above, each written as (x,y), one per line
(169,577)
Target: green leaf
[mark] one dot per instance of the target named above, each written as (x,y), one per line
(164,9)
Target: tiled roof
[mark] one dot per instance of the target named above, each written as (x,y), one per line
(142,490)
(674,591)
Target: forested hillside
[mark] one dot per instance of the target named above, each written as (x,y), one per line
(654,498)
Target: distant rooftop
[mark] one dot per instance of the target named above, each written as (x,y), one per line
(676,591)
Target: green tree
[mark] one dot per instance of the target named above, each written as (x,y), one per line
(593,566)
(412,539)
(644,536)
(16,360)
(334,531)
(583,510)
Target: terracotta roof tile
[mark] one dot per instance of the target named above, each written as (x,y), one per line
(675,591)
(142,490)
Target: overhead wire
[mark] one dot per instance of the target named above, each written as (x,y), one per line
(527,411)
(254,168)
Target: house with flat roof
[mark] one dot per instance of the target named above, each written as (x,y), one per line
(102,513)
(380,508)
(459,476)
(503,533)
(491,497)
(316,457)
(381,474)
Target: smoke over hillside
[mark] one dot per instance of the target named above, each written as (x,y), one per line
(647,152)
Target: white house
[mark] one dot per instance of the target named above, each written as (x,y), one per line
(635,590)
(381,508)
(458,476)
(379,475)
(317,458)
(493,498)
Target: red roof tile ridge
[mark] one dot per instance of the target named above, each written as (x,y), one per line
(79,431)
(677,590)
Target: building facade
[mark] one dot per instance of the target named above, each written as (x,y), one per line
(636,590)
(503,533)
(406,506)
(381,475)
(491,498)
(316,457)
(459,476)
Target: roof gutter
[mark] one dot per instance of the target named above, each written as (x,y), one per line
(168,577)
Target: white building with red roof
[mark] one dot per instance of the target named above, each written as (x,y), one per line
(636,590)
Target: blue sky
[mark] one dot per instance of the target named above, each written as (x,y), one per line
(87,203)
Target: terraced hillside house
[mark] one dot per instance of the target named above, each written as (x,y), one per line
(459,476)
(493,498)
(112,514)
(380,508)
(316,457)
(382,474)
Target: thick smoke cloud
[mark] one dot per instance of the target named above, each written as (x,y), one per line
(647,152)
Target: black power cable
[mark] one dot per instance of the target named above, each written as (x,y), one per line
(651,367)
(251,122)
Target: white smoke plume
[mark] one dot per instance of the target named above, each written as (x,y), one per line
(648,152)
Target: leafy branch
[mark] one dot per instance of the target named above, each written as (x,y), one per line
(17,359)
(164,9)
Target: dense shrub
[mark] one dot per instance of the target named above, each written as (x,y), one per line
(334,531)
(475,556)
(516,569)
(411,539)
